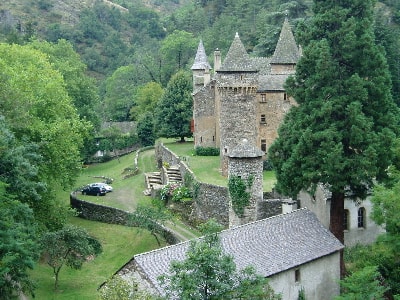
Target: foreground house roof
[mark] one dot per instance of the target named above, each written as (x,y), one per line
(271,245)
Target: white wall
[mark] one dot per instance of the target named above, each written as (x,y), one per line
(319,279)
(354,235)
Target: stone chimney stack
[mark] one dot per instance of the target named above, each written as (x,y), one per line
(207,76)
(217,60)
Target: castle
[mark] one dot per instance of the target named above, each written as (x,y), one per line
(245,98)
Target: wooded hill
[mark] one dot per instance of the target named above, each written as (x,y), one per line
(159,37)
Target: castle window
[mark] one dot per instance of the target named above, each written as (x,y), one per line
(241,77)
(346,219)
(264,145)
(262,119)
(297,275)
(285,97)
(263,98)
(361,217)
(201,139)
(213,138)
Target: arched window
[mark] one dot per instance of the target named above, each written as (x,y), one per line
(361,217)
(346,219)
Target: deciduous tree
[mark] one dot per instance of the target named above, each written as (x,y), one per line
(342,131)
(150,218)
(70,246)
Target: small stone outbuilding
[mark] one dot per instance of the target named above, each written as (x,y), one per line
(294,250)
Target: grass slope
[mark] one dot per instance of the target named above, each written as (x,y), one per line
(120,243)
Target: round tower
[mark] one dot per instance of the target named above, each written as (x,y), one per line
(245,183)
(236,82)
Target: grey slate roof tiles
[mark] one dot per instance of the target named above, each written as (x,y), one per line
(201,61)
(271,245)
(286,51)
(245,149)
(271,82)
(237,59)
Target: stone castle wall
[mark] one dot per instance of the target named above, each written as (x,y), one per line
(212,201)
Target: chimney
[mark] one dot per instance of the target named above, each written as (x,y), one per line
(217,60)
(207,76)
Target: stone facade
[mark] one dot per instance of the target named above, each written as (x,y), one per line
(245,98)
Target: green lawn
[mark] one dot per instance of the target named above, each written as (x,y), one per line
(120,243)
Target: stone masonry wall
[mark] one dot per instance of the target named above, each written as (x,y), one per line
(212,201)
(111,215)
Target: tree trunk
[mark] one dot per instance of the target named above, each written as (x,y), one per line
(336,223)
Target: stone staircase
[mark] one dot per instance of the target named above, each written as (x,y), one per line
(154,180)
(173,174)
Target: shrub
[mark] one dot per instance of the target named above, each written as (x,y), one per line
(267,165)
(175,192)
(206,151)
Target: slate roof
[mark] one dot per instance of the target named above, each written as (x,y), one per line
(237,59)
(245,149)
(286,51)
(271,82)
(271,245)
(201,61)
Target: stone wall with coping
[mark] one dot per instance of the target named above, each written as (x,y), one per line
(106,214)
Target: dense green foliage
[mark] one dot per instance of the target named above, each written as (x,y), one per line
(145,130)
(40,115)
(363,284)
(342,131)
(206,151)
(239,191)
(174,110)
(19,247)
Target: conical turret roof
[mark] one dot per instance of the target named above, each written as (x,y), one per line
(237,58)
(245,150)
(286,51)
(201,61)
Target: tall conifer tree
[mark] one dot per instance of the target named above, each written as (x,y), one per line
(342,131)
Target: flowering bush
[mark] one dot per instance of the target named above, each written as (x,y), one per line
(175,191)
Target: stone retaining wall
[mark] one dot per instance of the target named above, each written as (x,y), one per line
(111,215)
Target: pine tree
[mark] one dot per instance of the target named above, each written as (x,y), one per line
(174,109)
(342,131)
